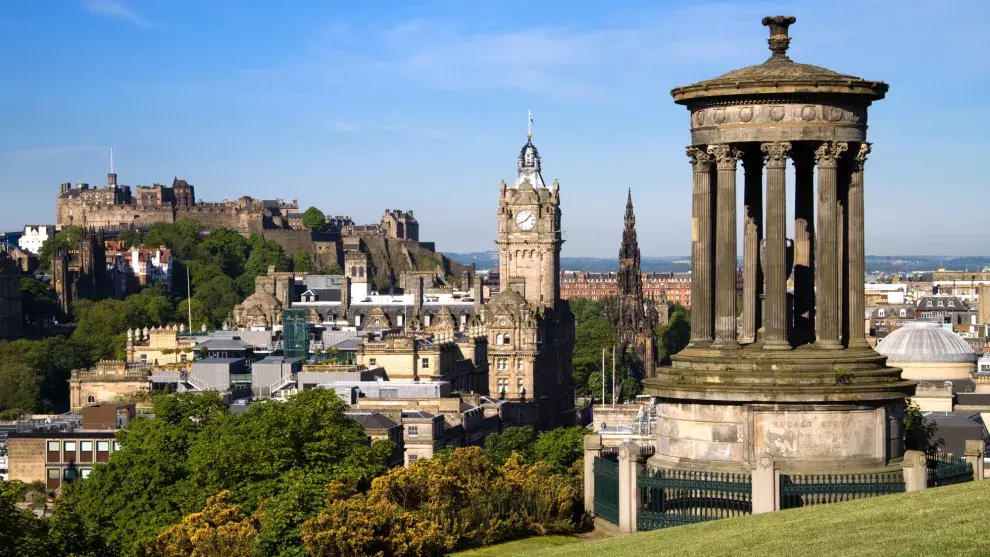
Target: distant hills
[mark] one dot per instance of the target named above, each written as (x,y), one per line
(678,264)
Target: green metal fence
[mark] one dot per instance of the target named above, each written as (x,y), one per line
(802,490)
(607,486)
(674,497)
(945,469)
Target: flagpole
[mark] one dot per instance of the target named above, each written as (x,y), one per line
(603,377)
(613,376)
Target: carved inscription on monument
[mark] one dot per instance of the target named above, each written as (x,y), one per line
(812,435)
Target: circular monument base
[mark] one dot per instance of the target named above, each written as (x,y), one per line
(813,410)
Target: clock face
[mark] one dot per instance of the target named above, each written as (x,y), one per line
(525,220)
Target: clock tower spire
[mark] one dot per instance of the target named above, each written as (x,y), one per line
(529,236)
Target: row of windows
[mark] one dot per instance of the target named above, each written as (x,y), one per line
(502,364)
(81,451)
(952,304)
(502,385)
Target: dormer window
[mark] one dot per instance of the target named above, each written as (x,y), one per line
(928,304)
(952,304)
(941,304)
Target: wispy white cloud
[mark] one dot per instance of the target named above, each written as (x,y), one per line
(114,9)
(345,127)
(49,152)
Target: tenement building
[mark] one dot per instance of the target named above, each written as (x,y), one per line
(11,305)
(797,382)
(530,328)
(634,317)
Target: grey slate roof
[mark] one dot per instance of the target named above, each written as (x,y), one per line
(371,420)
(349,344)
(224,344)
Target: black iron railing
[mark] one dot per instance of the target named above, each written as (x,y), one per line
(802,490)
(674,497)
(607,488)
(946,469)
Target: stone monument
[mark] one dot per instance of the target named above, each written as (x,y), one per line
(792,376)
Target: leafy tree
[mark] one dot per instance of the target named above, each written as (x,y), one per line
(102,326)
(40,303)
(263,254)
(219,296)
(129,238)
(226,248)
(920,434)
(19,384)
(560,448)
(219,530)
(149,308)
(673,336)
(276,456)
(314,219)
(302,262)
(21,533)
(68,237)
(333,269)
(200,315)
(500,446)
(592,333)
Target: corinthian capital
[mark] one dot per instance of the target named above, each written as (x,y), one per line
(700,159)
(827,154)
(725,155)
(776,153)
(864,150)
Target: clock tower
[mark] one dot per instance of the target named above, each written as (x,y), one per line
(530,329)
(529,237)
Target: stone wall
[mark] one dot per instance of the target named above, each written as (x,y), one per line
(26,459)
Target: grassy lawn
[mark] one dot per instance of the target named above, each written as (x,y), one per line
(944,521)
(527,546)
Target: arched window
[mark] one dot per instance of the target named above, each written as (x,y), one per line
(507,339)
(361,272)
(428,319)
(353,271)
(91,399)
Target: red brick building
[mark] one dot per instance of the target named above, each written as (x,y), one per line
(661,287)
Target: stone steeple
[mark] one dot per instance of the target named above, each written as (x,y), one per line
(630,281)
(529,166)
(634,317)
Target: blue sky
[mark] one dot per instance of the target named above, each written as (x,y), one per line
(359,106)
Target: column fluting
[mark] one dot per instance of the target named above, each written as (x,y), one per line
(857,251)
(701,248)
(828,325)
(726,158)
(775,252)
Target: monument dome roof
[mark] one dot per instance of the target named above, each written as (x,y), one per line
(779,74)
(924,341)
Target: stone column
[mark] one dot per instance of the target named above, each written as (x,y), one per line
(701,249)
(857,252)
(628,487)
(726,157)
(804,246)
(765,477)
(752,234)
(973,454)
(775,299)
(915,471)
(827,327)
(592,450)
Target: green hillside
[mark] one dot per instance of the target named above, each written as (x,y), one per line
(950,520)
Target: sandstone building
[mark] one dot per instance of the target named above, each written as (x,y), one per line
(530,328)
